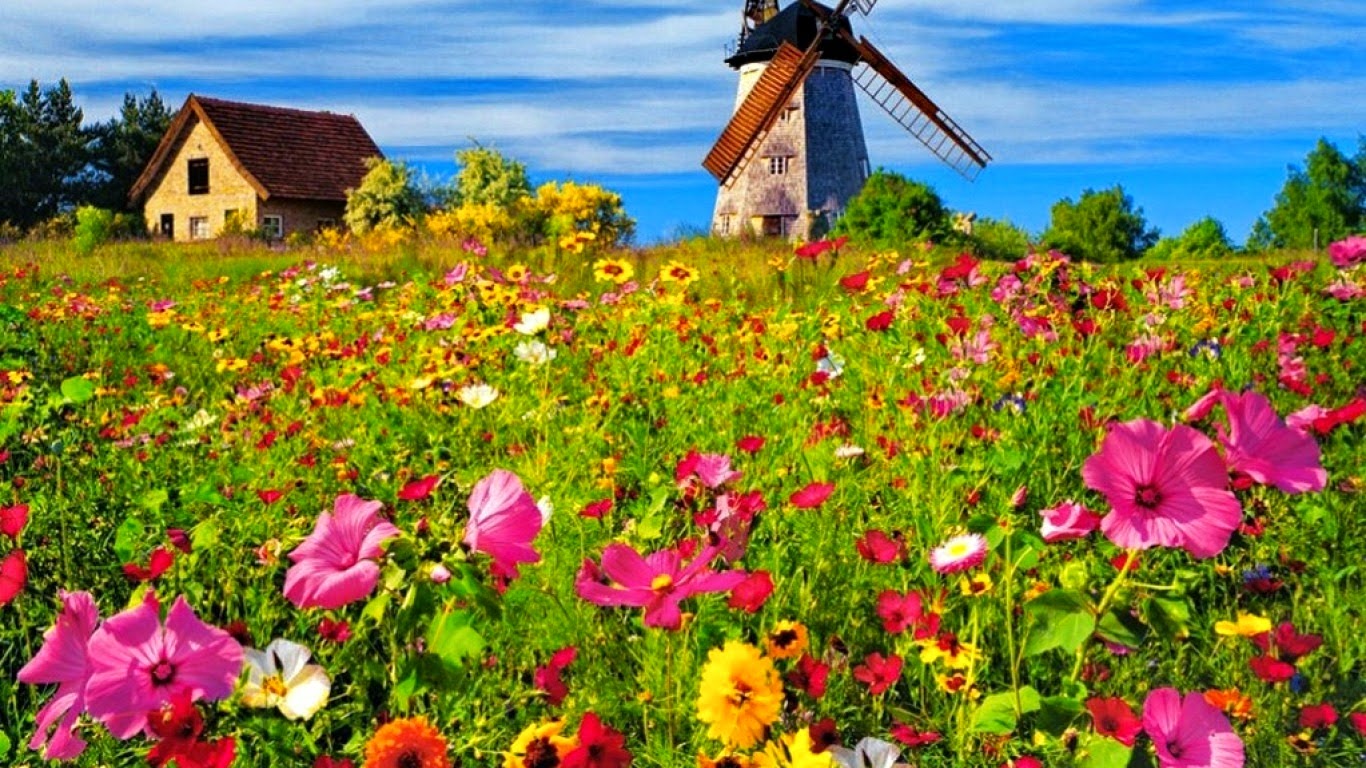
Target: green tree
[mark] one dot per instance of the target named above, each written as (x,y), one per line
(1101,226)
(894,210)
(486,177)
(1205,239)
(123,145)
(1326,198)
(999,239)
(386,197)
(44,153)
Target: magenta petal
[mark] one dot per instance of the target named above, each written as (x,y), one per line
(335,564)
(628,568)
(208,659)
(504,520)
(122,651)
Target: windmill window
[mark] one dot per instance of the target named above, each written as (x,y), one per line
(199,176)
(778,165)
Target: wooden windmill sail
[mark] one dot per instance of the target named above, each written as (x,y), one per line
(796,110)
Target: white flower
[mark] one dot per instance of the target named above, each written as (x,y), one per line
(533,323)
(534,352)
(477,395)
(280,676)
(832,365)
(848,451)
(546,507)
(868,753)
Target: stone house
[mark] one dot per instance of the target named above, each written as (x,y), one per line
(280,170)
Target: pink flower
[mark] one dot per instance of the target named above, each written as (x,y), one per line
(1345,253)
(713,469)
(547,678)
(959,553)
(1067,520)
(137,665)
(657,582)
(902,611)
(813,495)
(63,660)
(13,519)
(420,489)
(336,563)
(751,593)
(1190,732)
(1261,446)
(878,673)
(877,547)
(1165,487)
(504,520)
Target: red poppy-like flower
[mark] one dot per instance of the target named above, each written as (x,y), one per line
(750,444)
(751,594)
(599,746)
(877,547)
(1314,716)
(1115,719)
(418,490)
(157,564)
(13,519)
(855,282)
(334,631)
(13,575)
(547,677)
(902,611)
(809,676)
(878,672)
(813,495)
(908,735)
(596,509)
(881,321)
(1270,669)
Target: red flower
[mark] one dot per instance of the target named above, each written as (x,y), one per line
(751,594)
(269,496)
(547,678)
(877,547)
(13,576)
(1358,721)
(1315,716)
(824,735)
(809,676)
(597,509)
(334,631)
(881,321)
(909,736)
(1115,719)
(898,611)
(1270,669)
(813,495)
(160,561)
(855,282)
(418,490)
(599,746)
(327,761)
(877,672)
(750,444)
(13,519)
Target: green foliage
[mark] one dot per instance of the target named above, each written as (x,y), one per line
(386,198)
(93,227)
(1102,226)
(1320,203)
(893,210)
(1205,239)
(563,210)
(122,146)
(43,153)
(486,177)
(999,239)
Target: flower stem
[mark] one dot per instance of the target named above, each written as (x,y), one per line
(1130,556)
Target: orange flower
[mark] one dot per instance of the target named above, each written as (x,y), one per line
(408,742)
(1233,702)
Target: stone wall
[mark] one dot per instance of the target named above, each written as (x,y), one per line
(170,192)
(303,215)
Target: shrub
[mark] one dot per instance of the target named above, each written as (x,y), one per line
(1205,239)
(567,210)
(999,239)
(386,198)
(93,227)
(488,178)
(1102,227)
(893,210)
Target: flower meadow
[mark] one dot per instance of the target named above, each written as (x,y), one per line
(831,508)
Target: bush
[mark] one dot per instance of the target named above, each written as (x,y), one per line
(893,210)
(93,227)
(1205,239)
(1103,227)
(564,211)
(999,239)
(387,198)
(1323,202)
(488,178)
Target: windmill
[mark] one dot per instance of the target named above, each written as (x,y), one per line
(797,116)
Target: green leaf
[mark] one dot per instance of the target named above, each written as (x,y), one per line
(4,744)
(1120,626)
(1057,713)
(1169,617)
(376,607)
(1103,752)
(204,535)
(1062,619)
(452,638)
(996,714)
(127,538)
(154,500)
(204,493)
(77,390)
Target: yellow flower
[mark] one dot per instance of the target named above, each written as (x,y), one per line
(950,650)
(615,271)
(787,640)
(539,745)
(976,586)
(408,742)
(1247,625)
(679,274)
(741,695)
(793,751)
(724,760)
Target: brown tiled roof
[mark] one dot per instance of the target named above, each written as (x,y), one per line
(290,153)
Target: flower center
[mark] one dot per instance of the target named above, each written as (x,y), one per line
(163,673)
(540,753)
(785,638)
(662,583)
(409,759)
(274,686)
(1147,496)
(1174,748)
(740,696)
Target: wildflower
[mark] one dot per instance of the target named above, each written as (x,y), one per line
(724,760)
(178,726)
(615,271)
(418,490)
(138,665)
(787,640)
(504,520)
(946,647)
(407,742)
(678,274)
(1261,446)
(1345,253)
(1247,625)
(877,547)
(980,584)
(13,519)
(712,469)
(1231,702)
(811,496)
(280,676)
(902,611)
(1165,487)
(159,561)
(532,323)
(336,564)
(1067,520)
(13,575)
(657,582)
(878,672)
(750,444)
(599,746)
(1188,732)
(477,396)
(334,631)
(1315,716)
(959,553)
(908,735)
(740,695)
(1115,719)
(63,659)
(809,676)
(794,750)
(752,592)
(534,352)
(547,678)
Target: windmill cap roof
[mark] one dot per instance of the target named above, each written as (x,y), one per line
(796,24)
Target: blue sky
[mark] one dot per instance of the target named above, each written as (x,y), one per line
(1196,108)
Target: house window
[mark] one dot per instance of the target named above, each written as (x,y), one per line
(199,176)
(774,226)
(788,113)
(168,225)
(199,227)
(273,227)
(778,165)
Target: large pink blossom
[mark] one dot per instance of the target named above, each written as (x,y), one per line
(657,582)
(138,665)
(1345,253)
(63,660)
(1166,487)
(1261,446)
(1190,732)
(336,563)
(504,520)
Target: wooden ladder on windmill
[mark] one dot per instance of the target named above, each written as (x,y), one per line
(756,114)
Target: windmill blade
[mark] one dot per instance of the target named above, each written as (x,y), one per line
(917,113)
(759,110)
(864,7)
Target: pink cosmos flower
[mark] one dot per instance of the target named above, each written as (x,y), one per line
(138,665)
(1067,520)
(712,469)
(504,520)
(959,553)
(1345,253)
(657,582)
(811,496)
(1261,446)
(63,660)
(1190,732)
(336,563)
(1165,487)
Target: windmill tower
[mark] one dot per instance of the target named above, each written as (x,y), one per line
(793,153)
